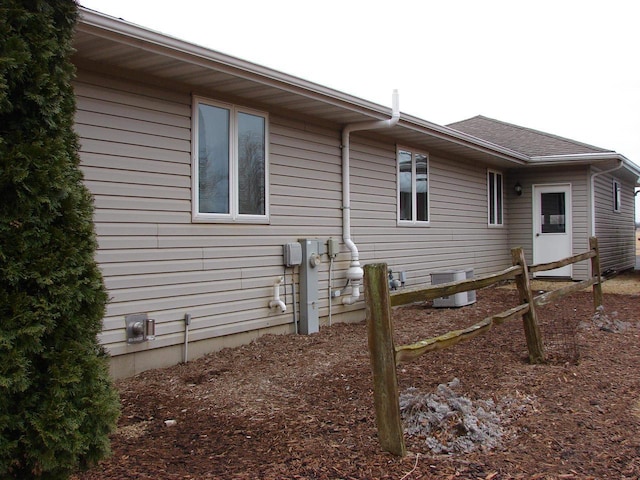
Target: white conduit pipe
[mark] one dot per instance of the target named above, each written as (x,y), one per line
(276,302)
(187,322)
(355,272)
(185,353)
(330,286)
(295,302)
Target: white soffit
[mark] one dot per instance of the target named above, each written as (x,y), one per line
(108,42)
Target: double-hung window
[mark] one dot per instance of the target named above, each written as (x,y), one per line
(617,197)
(494,197)
(413,187)
(230,166)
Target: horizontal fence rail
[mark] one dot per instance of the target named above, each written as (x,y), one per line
(540,267)
(385,356)
(413,351)
(445,289)
(554,295)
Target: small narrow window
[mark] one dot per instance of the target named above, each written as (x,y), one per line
(616,196)
(230,163)
(494,197)
(413,187)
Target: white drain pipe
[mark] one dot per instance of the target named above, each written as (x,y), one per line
(355,272)
(276,302)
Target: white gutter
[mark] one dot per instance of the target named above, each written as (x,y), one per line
(108,28)
(577,158)
(592,192)
(355,272)
(127,33)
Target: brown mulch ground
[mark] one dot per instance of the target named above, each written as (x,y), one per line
(302,406)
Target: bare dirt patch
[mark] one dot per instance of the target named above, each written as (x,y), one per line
(302,406)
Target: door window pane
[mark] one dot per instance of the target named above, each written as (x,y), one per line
(552,207)
(213,159)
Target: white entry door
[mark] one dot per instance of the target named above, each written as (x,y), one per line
(552,227)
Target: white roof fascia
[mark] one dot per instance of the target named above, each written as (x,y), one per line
(576,157)
(125,32)
(587,158)
(460,138)
(119,30)
(129,33)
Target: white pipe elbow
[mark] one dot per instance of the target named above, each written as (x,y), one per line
(276,302)
(354,297)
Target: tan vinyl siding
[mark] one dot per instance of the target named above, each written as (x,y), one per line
(615,230)
(457,235)
(520,209)
(136,158)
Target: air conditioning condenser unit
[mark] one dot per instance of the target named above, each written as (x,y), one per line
(457,299)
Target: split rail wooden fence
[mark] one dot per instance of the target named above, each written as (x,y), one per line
(385,356)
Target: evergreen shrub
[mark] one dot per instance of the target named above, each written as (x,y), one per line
(57,402)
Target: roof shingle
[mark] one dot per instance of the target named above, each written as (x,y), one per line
(523,140)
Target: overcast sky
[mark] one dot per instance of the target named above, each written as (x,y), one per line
(568,67)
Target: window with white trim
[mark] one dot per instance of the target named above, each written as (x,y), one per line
(413,186)
(230,163)
(495,197)
(617,196)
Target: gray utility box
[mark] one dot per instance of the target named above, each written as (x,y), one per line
(312,250)
(457,299)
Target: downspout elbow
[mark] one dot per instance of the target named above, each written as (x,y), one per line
(374,124)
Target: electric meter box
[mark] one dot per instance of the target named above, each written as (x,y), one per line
(292,253)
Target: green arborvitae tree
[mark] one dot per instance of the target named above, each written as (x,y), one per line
(57,402)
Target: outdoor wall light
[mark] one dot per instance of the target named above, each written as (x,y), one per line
(518,188)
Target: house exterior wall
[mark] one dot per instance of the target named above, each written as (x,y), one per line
(136,158)
(521,210)
(457,235)
(615,230)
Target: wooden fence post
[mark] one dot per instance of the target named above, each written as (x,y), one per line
(530,318)
(383,362)
(595,272)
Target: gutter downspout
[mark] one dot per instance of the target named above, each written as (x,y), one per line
(355,272)
(592,193)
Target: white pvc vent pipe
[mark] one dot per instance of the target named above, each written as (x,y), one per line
(276,302)
(355,272)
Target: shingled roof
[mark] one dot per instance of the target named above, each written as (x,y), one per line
(523,140)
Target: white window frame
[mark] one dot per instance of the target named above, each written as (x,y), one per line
(414,203)
(492,199)
(233,216)
(617,195)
